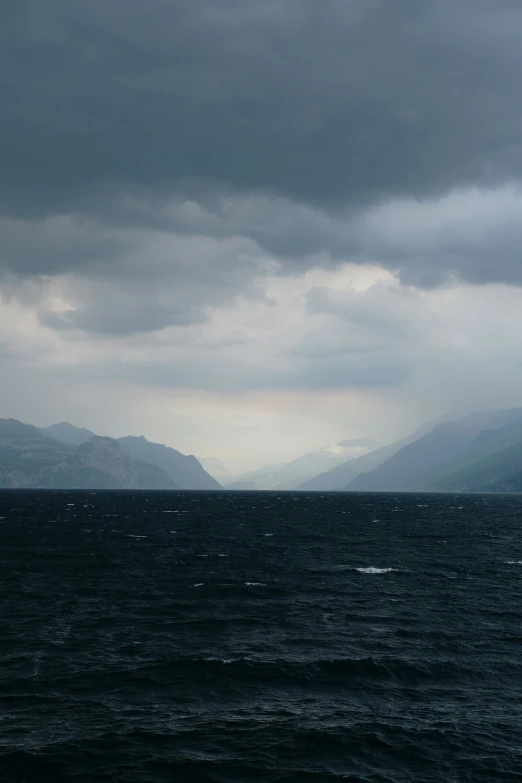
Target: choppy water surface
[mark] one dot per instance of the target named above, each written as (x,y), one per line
(260,637)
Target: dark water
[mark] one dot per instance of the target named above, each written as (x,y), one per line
(260,637)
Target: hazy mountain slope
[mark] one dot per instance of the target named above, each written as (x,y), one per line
(107,456)
(500,472)
(242,485)
(292,474)
(217,469)
(486,444)
(25,453)
(409,467)
(68,433)
(341,475)
(28,458)
(185,471)
(261,478)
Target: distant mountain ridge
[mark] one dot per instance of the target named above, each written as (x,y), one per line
(500,472)
(68,433)
(66,456)
(340,476)
(445,455)
(291,475)
(187,471)
(31,459)
(336,478)
(478,452)
(454,446)
(489,443)
(101,463)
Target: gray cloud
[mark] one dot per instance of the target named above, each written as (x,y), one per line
(165,281)
(160,157)
(326,103)
(62,243)
(220,375)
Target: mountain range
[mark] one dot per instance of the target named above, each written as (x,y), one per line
(292,474)
(477,452)
(64,456)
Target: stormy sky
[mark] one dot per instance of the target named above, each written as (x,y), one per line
(251,228)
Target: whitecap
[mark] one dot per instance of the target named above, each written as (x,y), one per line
(513,562)
(374,570)
(199,584)
(268,534)
(255,584)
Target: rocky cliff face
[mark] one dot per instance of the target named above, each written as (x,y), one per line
(30,459)
(26,454)
(183,470)
(107,456)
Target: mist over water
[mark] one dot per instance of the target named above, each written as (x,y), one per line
(156,636)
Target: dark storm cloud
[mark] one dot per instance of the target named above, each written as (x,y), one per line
(286,123)
(331,102)
(59,243)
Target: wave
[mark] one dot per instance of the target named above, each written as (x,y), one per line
(305,671)
(348,653)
